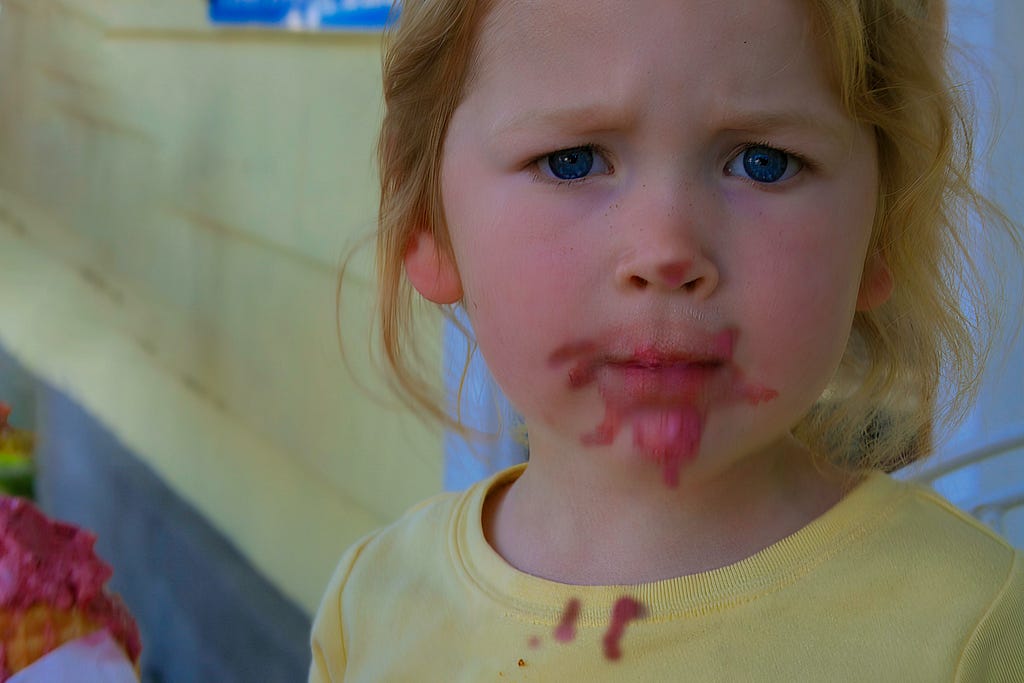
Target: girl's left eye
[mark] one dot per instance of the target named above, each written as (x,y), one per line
(764,164)
(573,163)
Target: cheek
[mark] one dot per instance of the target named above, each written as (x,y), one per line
(520,283)
(803,287)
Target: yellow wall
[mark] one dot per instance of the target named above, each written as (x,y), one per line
(174,203)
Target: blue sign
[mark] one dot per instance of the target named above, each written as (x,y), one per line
(361,15)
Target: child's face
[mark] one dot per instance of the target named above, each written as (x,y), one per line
(660,216)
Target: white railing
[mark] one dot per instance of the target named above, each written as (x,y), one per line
(987,481)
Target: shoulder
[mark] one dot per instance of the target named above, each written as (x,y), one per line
(401,549)
(374,572)
(925,526)
(968,574)
(418,551)
(995,650)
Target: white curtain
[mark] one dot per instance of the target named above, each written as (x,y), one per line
(980,466)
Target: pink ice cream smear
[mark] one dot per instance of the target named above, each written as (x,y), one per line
(626,609)
(565,632)
(669,437)
(662,390)
(52,563)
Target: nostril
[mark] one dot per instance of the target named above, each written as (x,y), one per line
(638,282)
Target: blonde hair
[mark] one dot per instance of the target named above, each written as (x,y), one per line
(426,62)
(891,71)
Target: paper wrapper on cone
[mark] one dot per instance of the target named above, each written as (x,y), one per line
(52,589)
(95,658)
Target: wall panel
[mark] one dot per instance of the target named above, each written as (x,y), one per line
(174,204)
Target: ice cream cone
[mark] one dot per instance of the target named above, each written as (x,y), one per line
(52,589)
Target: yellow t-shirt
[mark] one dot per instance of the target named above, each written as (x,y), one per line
(891,584)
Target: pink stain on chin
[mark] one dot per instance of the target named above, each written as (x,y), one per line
(669,437)
(626,609)
(565,632)
(605,432)
(755,394)
(664,392)
(570,351)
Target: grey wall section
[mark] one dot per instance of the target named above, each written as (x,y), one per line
(204,613)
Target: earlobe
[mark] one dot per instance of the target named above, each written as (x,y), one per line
(876,284)
(431,271)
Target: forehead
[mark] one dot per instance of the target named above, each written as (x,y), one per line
(642,48)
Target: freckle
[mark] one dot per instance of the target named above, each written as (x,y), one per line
(533,642)
(565,632)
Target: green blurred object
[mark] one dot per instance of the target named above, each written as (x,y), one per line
(16,475)
(17,469)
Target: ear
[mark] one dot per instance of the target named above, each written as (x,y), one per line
(875,284)
(431,271)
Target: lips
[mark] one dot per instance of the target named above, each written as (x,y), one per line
(674,373)
(661,390)
(668,380)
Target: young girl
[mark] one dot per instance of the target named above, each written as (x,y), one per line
(714,253)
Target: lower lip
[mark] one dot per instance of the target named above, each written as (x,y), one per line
(674,383)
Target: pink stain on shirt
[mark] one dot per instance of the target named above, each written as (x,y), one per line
(565,632)
(626,609)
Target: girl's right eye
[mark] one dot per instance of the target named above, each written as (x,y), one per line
(573,163)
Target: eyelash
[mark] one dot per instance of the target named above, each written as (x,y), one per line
(805,164)
(540,177)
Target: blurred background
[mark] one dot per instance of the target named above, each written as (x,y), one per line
(176,196)
(178,187)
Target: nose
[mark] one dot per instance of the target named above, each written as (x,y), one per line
(665,251)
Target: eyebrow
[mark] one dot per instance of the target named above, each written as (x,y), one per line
(589,118)
(583,118)
(755,121)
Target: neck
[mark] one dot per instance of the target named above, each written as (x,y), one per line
(572,522)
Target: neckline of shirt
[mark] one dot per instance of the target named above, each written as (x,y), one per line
(542,601)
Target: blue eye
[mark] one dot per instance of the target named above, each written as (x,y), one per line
(572,163)
(764,164)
